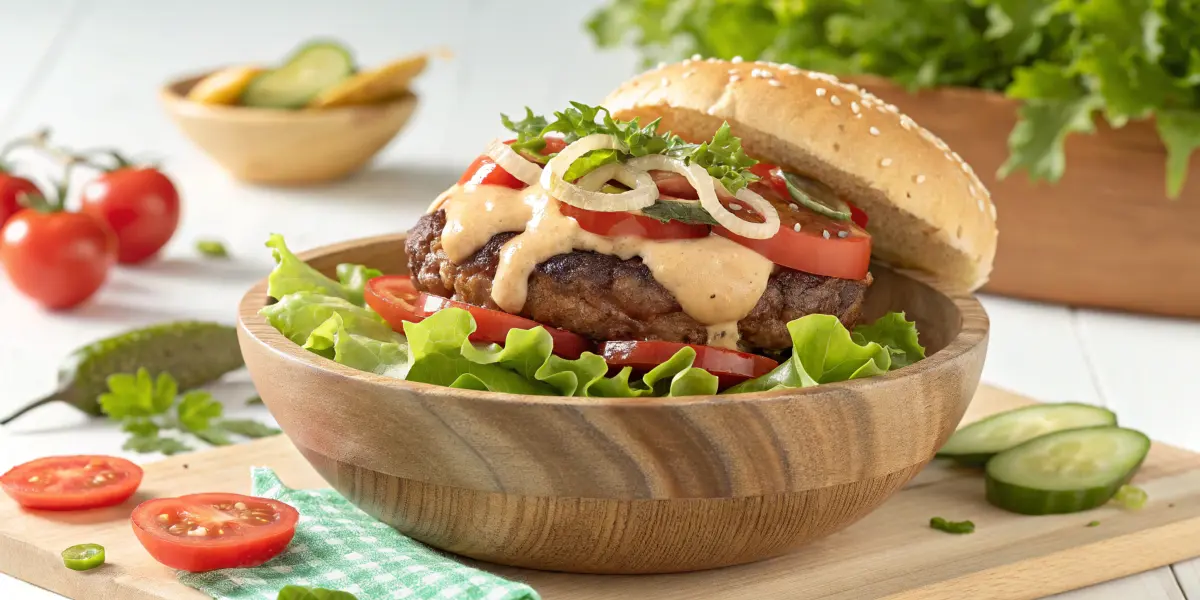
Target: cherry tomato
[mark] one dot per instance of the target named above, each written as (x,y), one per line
(614,224)
(59,259)
(203,532)
(396,299)
(11,190)
(730,366)
(72,482)
(140,204)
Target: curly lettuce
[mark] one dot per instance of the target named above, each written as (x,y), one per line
(1069,61)
(328,317)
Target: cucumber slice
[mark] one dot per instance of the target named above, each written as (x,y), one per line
(1067,471)
(816,196)
(309,71)
(974,444)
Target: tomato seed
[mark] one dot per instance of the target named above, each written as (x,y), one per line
(33,479)
(164,517)
(240,505)
(199,531)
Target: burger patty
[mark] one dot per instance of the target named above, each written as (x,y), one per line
(606,298)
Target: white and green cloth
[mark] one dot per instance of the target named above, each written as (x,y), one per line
(339,547)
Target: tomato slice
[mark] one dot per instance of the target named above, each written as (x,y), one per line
(72,482)
(396,299)
(485,171)
(614,224)
(202,532)
(492,326)
(730,366)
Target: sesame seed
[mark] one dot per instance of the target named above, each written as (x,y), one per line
(696,56)
(686,62)
(887,162)
(854,107)
(858,116)
(834,100)
(660,65)
(688,74)
(825,233)
(993,211)
(774,82)
(734,71)
(736,59)
(760,73)
(981,205)
(874,130)
(733,78)
(906,122)
(971,189)
(820,92)
(965,167)
(794,208)
(735,206)
(919,179)
(843,234)
(796,228)
(666,82)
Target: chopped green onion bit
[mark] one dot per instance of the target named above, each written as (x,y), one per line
(941,524)
(83,557)
(212,248)
(1131,497)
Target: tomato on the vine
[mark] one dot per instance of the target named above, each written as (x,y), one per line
(12,188)
(140,204)
(57,258)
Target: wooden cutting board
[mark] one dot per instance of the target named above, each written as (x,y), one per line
(891,554)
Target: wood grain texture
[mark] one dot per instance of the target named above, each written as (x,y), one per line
(1105,235)
(287,147)
(890,554)
(617,485)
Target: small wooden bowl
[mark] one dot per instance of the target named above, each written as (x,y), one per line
(287,147)
(600,485)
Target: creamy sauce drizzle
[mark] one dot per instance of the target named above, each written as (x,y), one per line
(715,281)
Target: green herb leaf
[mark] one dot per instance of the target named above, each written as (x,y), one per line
(1093,523)
(196,410)
(214,436)
(1180,132)
(296,592)
(212,248)
(1036,143)
(146,444)
(958,527)
(247,427)
(138,395)
(683,211)
(254,401)
(140,427)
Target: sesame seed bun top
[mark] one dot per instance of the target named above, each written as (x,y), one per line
(928,210)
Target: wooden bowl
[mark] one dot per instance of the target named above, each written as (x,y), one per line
(600,485)
(287,147)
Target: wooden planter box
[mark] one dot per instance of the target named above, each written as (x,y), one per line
(1104,236)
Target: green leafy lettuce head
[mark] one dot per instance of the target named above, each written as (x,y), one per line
(1069,61)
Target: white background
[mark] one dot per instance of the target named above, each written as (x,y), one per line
(91,71)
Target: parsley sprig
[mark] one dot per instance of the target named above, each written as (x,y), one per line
(143,405)
(722,156)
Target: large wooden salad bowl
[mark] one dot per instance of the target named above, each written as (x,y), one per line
(615,485)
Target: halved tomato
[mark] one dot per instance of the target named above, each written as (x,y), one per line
(202,532)
(730,366)
(396,299)
(72,482)
(614,224)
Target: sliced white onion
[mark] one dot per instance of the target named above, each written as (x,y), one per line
(605,173)
(706,190)
(643,194)
(520,167)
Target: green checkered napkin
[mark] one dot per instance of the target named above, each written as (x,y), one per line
(339,547)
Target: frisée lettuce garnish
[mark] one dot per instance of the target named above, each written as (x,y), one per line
(328,317)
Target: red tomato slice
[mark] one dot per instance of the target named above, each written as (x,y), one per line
(202,532)
(614,224)
(730,366)
(72,482)
(485,171)
(396,299)
(492,325)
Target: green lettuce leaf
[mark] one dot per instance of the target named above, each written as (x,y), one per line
(354,280)
(386,354)
(293,275)
(297,314)
(896,333)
